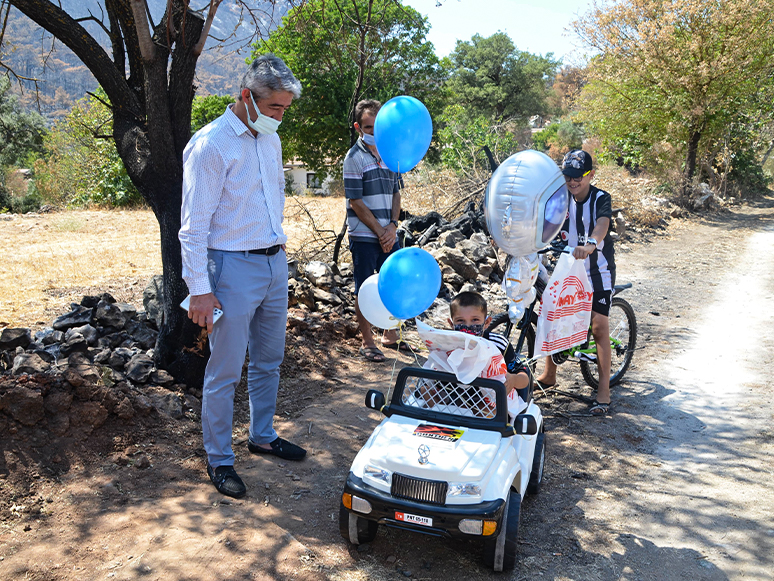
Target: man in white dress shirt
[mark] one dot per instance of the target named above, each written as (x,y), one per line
(233,250)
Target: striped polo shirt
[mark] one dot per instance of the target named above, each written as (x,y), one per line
(581,219)
(365,178)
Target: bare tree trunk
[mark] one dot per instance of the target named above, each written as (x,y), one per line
(337,246)
(151,127)
(690,162)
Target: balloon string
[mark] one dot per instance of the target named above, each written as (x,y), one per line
(401,339)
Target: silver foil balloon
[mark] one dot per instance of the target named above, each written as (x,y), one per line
(525,206)
(519,284)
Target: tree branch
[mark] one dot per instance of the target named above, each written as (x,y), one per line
(94,19)
(197,50)
(94,96)
(62,26)
(147,48)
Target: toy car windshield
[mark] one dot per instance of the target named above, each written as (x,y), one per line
(438,396)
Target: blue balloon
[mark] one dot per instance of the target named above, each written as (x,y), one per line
(409,281)
(403,130)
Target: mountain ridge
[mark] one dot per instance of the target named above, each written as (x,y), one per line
(62,78)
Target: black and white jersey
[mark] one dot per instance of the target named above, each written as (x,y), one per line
(580,222)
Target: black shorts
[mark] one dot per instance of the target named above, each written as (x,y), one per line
(601,302)
(367,258)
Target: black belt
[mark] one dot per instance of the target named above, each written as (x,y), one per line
(270,251)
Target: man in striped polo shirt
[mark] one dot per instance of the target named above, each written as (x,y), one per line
(373,207)
(587,229)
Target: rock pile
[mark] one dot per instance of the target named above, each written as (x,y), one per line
(94,362)
(462,248)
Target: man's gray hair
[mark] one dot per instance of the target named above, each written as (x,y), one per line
(268,74)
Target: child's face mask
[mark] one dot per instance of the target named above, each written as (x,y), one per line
(476,330)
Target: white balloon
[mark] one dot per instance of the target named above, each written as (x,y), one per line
(372,307)
(516,311)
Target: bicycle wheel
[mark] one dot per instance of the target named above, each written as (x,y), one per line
(623,339)
(502,324)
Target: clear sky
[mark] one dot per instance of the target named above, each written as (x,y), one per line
(538,27)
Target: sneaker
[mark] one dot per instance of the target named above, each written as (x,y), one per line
(227,481)
(280,448)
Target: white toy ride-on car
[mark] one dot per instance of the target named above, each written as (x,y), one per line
(446,462)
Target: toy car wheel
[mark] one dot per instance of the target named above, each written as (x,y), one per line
(500,552)
(354,529)
(536,476)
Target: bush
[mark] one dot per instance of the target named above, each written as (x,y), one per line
(559,138)
(541,140)
(30,202)
(82,167)
(747,176)
(206,109)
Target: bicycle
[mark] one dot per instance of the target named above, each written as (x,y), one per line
(623,336)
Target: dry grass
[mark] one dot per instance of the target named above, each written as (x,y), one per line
(635,195)
(51,260)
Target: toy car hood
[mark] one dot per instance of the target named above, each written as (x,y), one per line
(448,453)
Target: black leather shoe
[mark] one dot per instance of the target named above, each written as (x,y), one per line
(280,448)
(227,481)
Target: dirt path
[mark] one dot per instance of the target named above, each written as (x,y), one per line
(675,484)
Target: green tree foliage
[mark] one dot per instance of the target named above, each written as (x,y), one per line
(21,132)
(464,136)
(82,166)
(678,83)
(21,136)
(343,52)
(498,81)
(207,109)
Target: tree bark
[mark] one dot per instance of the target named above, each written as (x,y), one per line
(690,161)
(151,127)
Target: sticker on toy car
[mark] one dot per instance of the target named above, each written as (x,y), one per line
(438,432)
(414,519)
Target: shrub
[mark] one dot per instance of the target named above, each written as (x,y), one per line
(82,167)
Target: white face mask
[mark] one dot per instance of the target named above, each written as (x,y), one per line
(369,139)
(263,124)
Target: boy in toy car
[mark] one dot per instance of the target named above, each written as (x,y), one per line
(468,312)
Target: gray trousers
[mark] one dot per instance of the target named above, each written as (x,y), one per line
(253,291)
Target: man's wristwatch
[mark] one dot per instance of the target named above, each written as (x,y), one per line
(591,241)
(394,222)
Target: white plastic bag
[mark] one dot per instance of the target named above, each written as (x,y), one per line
(565,312)
(467,357)
(462,354)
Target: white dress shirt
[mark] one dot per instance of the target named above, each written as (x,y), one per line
(233,195)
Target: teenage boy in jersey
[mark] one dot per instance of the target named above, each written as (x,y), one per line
(587,229)
(373,207)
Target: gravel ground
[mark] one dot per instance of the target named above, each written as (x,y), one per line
(674,484)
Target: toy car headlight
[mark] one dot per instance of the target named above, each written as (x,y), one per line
(463,489)
(376,473)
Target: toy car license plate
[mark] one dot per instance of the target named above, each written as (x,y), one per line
(414,519)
